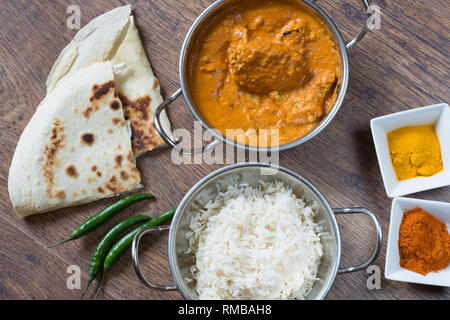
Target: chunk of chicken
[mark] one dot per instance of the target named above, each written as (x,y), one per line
(262,66)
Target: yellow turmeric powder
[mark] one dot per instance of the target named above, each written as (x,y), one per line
(415,151)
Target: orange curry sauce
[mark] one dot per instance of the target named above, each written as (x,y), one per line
(264,65)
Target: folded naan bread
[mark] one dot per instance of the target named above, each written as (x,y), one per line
(113,36)
(76,147)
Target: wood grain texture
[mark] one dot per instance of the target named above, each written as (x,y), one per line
(402,66)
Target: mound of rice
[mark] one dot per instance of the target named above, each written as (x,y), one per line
(255,243)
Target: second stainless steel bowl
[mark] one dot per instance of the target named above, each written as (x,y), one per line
(252,174)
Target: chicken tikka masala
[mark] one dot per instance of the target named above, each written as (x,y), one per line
(264,65)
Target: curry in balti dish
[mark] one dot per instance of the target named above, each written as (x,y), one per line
(264,65)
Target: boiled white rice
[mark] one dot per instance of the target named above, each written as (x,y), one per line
(255,243)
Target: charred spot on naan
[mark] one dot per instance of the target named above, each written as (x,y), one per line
(132,172)
(114,185)
(89,109)
(130,157)
(100,90)
(71,171)
(87,138)
(155,84)
(60,194)
(138,108)
(91,180)
(50,155)
(139,113)
(118,161)
(124,175)
(115,105)
(95,170)
(118,121)
(142,139)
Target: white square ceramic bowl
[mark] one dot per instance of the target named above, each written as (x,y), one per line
(392,270)
(439,115)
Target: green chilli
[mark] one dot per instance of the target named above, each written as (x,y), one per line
(106,243)
(125,242)
(100,218)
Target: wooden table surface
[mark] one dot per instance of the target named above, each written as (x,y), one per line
(403,65)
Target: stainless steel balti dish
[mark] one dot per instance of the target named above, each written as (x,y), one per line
(253,173)
(202,21)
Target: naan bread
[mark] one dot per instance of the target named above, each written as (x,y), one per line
(76,147)
(114,36)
